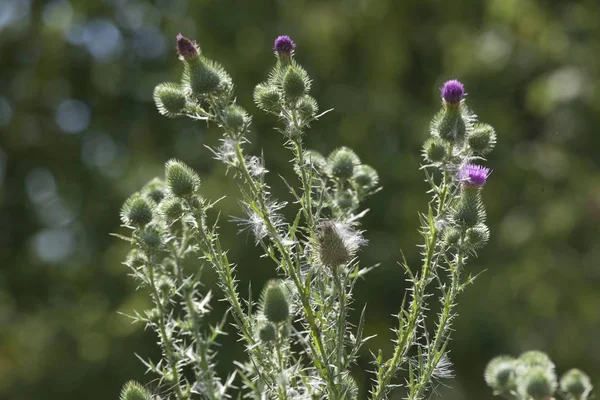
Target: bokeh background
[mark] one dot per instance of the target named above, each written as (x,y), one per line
(79,132)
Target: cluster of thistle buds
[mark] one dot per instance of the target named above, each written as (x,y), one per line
(532,376)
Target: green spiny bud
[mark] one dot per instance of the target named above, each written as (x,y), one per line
(482,139)
(201,77)
(435,149)
(345,201)
(170,99)
(181,179)
(275,305)
(136,211)
(576,384)
(164,284)
(477,236)
(452,125)
(365,176)
(451,236)
(295,83)
(267,333)
(135,259)
(171,209)
(151,237)
(534,358)
(500,374)
(235,118)
(307,108)
(537,382)
(155,190)
(342,162)
(267,98)
(134,391)
(316,159)
(469,210)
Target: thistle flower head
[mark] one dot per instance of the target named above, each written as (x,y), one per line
(452,92)
(187,49)
(473,175)
(500,374)
(134,391)
(576,384)
(284,45)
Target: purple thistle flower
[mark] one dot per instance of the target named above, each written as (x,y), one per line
(186,48)
(284,45)
(453,91)
(473,175)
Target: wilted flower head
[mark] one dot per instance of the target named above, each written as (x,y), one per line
(284,45)
(186,48)
(473,175)
(453,91)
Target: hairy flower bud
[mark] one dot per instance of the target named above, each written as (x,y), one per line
(477,236)
(482,139)
(345,200)
(187,49)
(181,179)
(135,259)
(274,301)
(295,83)
(235,118)
(336,243)
(342,162)
(170,99)
(365,176)
(134,391)
(451,236)
(500,374)
(202,77)
(452,126)
(435,149)
(171,210)
(267,98)
(576,384)
(316,160)
(151,238)
(136,211)
(537,382)
(469,210)
(267,332)
(535,358)
(155,190)
(307,108)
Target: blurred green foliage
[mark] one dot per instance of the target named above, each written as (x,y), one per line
(79,132)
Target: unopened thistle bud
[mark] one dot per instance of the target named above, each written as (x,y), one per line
(151,238)
(365,176)
(451,236)
(295,83)
(171,209)
(535,358)
(307,108)
(435,149)
(181,179)
(135,259)
(284,48)
(576,384)
(267,333)
(136,211)
(170,99)
(477,236)
(274,301)
(155,190)
(469,210)
(342,162)
(165,285)
(267,98)
(482,139)
(134,391)
(187,49)
(537,382)
(316,160)
(345,200)
(500,374)
(235,118)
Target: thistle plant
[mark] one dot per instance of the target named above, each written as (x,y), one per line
(532,376)
(298,340)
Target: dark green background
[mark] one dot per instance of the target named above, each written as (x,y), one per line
(531,69)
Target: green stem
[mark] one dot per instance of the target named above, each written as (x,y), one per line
(340,285)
